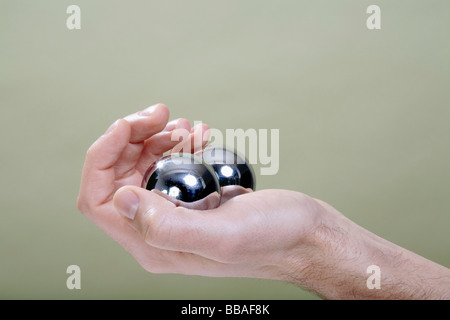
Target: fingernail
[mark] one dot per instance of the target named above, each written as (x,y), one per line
(148,111)
(127,203)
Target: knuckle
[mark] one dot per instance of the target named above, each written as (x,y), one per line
(82,205)
(90,149)
(90,152)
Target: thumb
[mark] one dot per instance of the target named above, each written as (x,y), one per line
(131,200)
(164,225)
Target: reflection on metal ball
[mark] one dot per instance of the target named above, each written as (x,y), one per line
(230,168)
(199,180)
(185,180)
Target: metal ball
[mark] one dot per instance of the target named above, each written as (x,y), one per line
(230,167)
(185,180)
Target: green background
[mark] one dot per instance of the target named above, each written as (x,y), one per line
(363,118)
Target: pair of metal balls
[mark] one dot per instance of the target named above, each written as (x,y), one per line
(197,180)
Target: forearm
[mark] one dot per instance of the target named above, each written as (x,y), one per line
(336,265)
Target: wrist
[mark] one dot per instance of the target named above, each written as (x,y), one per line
(339,259)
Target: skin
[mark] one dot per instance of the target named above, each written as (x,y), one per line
(270,234)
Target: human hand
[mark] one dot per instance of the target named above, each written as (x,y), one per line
(250,230)
(120,157)
(273,234)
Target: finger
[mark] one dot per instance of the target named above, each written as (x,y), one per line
(160,143)
(164,225)
(199,137)
(178,123)
(144,125)
(191,141)
(147,122)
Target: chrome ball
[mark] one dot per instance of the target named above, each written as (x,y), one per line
(185,180)
(229,166)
